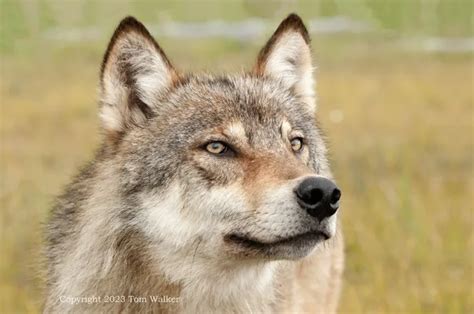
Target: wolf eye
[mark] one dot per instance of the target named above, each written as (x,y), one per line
(297,144)
(216,148)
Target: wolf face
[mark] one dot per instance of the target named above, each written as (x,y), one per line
(227,167)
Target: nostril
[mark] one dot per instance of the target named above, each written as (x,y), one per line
(335,196)
(316,196)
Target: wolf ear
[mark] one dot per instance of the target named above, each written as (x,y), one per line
(135,72)
(287,57)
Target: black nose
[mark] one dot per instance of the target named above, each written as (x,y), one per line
(319,196)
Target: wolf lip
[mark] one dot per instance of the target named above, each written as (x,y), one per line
(300,239)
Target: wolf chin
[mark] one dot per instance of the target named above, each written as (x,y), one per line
(212,191)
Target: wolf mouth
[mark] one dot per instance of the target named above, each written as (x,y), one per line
(303,239)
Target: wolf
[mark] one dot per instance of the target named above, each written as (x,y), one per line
(208,194)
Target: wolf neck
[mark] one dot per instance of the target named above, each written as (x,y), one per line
(251,287)
(203,283)
(202,286)
(210,288)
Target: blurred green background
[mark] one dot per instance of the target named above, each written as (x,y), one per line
(395,84)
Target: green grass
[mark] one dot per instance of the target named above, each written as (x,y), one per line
(402,153)
(23,22)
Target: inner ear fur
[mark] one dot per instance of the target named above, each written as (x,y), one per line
(286,57)
(292,24)
(135,72)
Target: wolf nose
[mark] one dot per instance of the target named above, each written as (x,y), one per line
(319,196)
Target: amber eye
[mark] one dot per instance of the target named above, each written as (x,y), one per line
(216,148)
(296,144)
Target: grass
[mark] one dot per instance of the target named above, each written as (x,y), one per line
(403,155)
(400,126)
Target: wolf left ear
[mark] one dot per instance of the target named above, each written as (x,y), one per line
(135,73)
(287,57)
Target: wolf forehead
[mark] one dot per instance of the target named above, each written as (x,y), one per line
(254,109)
(203,102)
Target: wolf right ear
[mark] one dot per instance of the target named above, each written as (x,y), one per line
(135,72)
(286,57)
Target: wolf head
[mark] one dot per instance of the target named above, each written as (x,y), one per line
(228,167)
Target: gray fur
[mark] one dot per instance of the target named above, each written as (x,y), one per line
(100,243)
